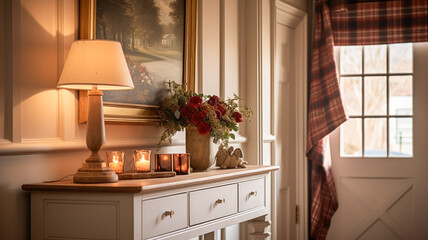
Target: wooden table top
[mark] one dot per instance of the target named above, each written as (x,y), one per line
(153,184)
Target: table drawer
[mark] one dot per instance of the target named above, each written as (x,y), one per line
(162,215)
(213,203)
(251,194)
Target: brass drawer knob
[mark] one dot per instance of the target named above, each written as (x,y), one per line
(168,213)
(253,193)
(220,201)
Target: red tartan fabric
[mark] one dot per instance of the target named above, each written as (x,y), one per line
(324,203)
(325,113)
(352,22)
(379,22)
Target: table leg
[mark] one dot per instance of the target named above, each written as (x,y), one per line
(260,224)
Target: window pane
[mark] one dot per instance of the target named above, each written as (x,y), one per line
(400,137)
(351,60)
(375,137)
(375,96)
(400,95)
(375,59)
(351,139)
(351,88)
(400,58)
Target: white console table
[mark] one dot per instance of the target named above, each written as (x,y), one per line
(178,207)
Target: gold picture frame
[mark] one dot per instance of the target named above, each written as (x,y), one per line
(137,113)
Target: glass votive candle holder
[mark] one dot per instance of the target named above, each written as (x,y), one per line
(142,160)
(182,163)
(163,162)
(115,160)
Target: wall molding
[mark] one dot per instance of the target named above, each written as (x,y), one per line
(288,15)
(268,138)
(13,77)
(67,99)
(301,123)
(35,146)
(45,145)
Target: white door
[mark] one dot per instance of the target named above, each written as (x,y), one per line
(285,176)
(289,123)
(379,163)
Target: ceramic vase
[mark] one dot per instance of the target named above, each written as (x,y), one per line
(201,148)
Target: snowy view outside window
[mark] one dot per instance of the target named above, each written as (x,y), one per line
(376,84)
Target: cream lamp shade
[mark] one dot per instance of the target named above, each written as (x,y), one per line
(98,63)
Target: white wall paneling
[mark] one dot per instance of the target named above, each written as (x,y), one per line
(40,138)
(209,47)
(39,71)
(290,117)
(13,81)
(253,20)
(230,48)
(67,30)
(258,83)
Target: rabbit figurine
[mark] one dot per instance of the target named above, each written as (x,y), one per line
(229,158)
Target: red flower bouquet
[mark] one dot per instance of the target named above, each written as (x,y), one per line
(209,114)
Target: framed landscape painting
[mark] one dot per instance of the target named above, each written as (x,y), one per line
(158,39)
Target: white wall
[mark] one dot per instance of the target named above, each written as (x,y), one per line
(44,140)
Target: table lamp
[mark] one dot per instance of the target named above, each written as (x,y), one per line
(95,65)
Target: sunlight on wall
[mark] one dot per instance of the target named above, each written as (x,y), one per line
(41,110)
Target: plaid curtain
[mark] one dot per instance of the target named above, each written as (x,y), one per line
(352,22)
(325,113)
(379,22)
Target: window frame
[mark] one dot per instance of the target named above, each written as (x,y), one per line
(387,116)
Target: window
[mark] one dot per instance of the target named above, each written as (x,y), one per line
(376,84)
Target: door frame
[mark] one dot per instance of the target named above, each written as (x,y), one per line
(296,19)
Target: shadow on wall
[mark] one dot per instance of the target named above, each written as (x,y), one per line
(15,209)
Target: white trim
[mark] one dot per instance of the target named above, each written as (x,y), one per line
(4,141)
(62,111)
(259,90)
(274,200)
(252,81)
(300,118)
(46,145)
(268,138)
(238,139)
(222,53)
(296,19)
(13,78)
(288,15)
(199,67)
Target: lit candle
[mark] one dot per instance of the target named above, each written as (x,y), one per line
(184,166)
(142,160)
(163,162)
(115,161)
(181,163)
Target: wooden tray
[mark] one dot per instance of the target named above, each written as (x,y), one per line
(123,176)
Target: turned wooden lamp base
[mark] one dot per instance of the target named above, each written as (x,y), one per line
(95,173)
(95,169)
